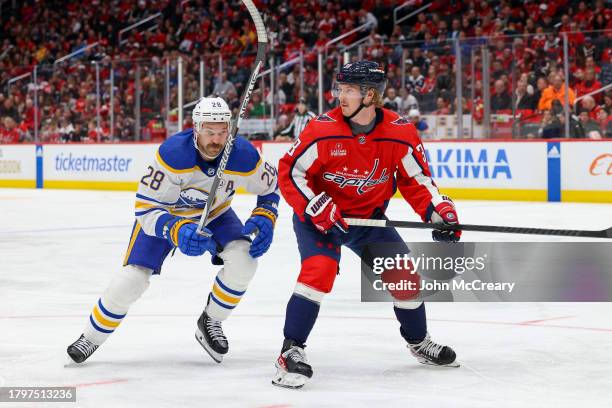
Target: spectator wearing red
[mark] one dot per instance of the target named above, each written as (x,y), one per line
(589,84)
(468,29)
(575,38)
(28,115)
(484,9)
(539,39)
(9,133)
(583,15)
(443,107)
(422,24)
(590,64)
(600,8)
(294,46)
(429,84)
(155,129)
(589,105)
(327,23)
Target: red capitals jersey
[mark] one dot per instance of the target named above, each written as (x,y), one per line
(360,172)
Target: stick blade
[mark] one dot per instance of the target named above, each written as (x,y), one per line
(609,232)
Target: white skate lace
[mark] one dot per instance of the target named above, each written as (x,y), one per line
(428,347)
(213,327)
(85,346)
(296,355)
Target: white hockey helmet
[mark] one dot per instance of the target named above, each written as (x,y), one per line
(212,109)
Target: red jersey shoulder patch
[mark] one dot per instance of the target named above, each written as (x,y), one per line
(324,118)
(401,121)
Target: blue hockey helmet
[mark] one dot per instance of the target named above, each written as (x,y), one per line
(367,74)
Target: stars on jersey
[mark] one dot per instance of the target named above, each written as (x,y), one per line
(310,167)
(356,171)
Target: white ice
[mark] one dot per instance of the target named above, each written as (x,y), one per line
(58,250)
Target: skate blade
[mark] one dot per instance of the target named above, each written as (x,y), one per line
(70,362)
(289,380)
(212,353)
(427,362)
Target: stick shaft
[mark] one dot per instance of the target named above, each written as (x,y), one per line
(480,228)
(262,41)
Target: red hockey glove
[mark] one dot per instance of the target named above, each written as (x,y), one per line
(444,213)
(324,214)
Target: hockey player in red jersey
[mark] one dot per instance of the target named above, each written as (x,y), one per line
(348,162)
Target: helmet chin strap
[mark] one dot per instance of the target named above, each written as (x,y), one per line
(361,106)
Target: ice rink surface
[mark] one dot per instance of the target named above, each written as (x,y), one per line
(58,250)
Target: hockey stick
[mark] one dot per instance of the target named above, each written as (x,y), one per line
(262,41)
(607,233)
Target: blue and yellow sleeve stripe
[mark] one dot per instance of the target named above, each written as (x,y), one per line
(224,296)
(103,320)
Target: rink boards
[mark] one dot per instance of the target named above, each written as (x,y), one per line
(568,170)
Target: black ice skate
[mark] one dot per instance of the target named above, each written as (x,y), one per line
(428,352)
(81,349)
(210,335)
(292,370)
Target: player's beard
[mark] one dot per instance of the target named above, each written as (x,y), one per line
(213,150)
(210,151)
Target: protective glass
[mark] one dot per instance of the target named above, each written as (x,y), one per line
(348,90)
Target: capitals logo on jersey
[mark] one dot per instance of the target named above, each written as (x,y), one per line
(364,182)
(360,172)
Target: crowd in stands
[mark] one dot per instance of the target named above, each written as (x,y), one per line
(526,77)
(524,40)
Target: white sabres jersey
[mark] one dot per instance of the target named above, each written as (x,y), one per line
(178,181)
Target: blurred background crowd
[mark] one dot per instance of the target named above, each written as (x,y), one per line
(94,70)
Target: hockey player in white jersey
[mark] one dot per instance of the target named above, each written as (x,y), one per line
(170,199)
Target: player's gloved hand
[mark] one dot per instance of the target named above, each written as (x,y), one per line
(325,215)
(261,223)
(182,233)
(443,213)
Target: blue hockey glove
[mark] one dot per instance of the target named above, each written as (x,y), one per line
(182,233)
(261,222)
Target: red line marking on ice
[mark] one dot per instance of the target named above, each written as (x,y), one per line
(275,406)
(530,322)
(486,322)
(92,384)
(599,329)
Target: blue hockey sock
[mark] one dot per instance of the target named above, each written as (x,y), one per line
(300,318)
(413,323)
